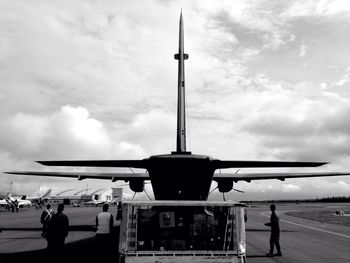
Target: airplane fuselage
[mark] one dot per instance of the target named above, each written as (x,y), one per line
(180,176)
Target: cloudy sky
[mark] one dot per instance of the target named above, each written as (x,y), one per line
(266,80)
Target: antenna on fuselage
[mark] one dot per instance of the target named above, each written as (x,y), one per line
(181,116)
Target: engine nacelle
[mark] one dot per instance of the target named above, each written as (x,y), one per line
(137,185)
(225,186)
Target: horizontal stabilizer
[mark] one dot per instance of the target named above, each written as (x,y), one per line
(279,176)
(87,175)
(97,163)
(218,164)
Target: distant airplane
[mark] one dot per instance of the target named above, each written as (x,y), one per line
(180,175)
(9,200)
(24,200)
(68,199)
(110,196)
(5,202)
(41,198)
(94,202)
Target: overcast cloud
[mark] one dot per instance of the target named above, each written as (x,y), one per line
(265,80)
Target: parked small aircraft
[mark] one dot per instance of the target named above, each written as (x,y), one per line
(40,198)
(20,202)
(94,202)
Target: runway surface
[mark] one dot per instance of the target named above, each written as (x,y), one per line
(20,235)
(301,240)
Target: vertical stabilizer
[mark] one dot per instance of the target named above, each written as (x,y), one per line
(47,194)
(181,122)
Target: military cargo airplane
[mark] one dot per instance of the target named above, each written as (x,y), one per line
(180,175)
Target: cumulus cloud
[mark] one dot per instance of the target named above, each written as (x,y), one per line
(302,50)
(50,135)
(325,184)
(317,8)
(344,79)
(154,131)
(312,124)
(290,188)
(73,133)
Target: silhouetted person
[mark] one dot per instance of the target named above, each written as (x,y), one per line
(118,219)
(45,218)
(15,204)
(275,233)
(104,225)
(57,231)
(40,204)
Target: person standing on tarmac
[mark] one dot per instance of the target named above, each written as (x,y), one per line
(15,203)
(118,219)
(104,226)
(275,233)
(45,219)
(57,231)
(40,204)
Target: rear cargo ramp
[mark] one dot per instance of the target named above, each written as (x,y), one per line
(182,231)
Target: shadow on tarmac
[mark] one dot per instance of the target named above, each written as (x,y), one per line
(256,256)
(84,250)
(267,230)
(79,251)
(71,228)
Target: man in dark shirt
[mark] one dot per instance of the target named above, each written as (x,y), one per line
(57,231)
(275,233)
(15,204)
(45,219)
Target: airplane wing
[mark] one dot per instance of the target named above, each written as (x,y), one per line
(87,175)
(3,202)
(221,164)
(279,176)
(97,163)
(218,164)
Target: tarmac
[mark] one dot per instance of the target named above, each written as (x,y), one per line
(301,240)
(21,241)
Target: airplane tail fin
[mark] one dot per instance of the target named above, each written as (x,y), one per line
(8,199)
(47,194)
(23,197)
(181,117)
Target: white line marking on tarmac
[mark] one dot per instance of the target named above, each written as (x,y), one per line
(311,227)
(318,229)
